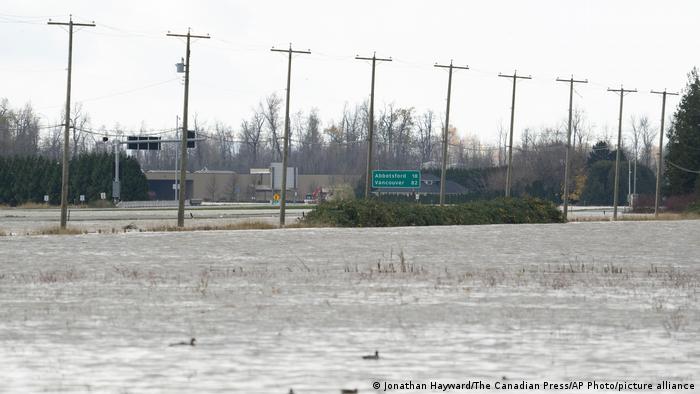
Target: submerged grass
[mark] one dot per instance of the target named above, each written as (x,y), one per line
(55,230)
(638,217)
(251,225)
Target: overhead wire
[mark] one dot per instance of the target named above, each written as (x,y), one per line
(238,46)
(682,168)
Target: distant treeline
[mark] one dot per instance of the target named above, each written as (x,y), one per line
(26,179)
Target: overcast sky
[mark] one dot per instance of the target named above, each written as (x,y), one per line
(123,69)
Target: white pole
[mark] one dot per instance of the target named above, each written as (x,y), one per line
(629,183)
(177,137)
(635,176)
(116,172)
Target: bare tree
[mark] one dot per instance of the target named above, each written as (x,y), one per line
(502,145)
(386,127)
(51,144)
(311,144)
(5,128)
(225,144)
(636,135)
(425,136)
(79,122)
(211,189)
(271,110)
(26,135)
(404,135)
(580,130)
(648,139)
(251,133)
(638,126)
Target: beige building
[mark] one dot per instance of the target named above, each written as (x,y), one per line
(210,185)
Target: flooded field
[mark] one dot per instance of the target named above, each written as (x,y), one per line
(298,308)
(23,221)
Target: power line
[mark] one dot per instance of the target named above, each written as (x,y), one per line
(445,135)
(185,130)
(64,173)
(659,161)
(571,82)
(682,168)
(621,92)
(118,133)
(151,85)
(370,136)
(283,192)
(509,176)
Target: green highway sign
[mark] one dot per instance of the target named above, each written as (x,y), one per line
(396,178)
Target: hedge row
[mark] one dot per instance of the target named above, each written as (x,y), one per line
(26,179)
(375,213)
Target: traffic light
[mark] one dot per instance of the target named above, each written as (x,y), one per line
(142,143)
(190,136)
(132,145)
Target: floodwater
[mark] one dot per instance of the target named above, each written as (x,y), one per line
(23,221)
(298,308)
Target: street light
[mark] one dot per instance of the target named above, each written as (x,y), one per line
(180,67)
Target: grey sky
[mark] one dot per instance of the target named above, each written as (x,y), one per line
(641,44)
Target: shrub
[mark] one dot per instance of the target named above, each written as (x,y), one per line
(680,203)
(376,213)
(694,207)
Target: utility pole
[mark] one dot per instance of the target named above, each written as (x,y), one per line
(285,155)
(64,172)
(509,173)
(370,137)
(445,132)
(571,82)
(622,92)
(659,162)
(183,137)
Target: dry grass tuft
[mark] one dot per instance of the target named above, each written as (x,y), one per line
(300,224)
(250,225)
(34,205)
(3,233)
(57,231)
(638,217)
(675,320)
(663,216)
(55,276)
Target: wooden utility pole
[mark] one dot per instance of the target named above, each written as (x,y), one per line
(659,161)
(622,92)
(183,138)
(370,137)
(571,81)
(64,172)
(445,134)
(509,173)
(285,155)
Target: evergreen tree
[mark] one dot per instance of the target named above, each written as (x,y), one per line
(601,151)
(683,149)
(600,183)
(28,178)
